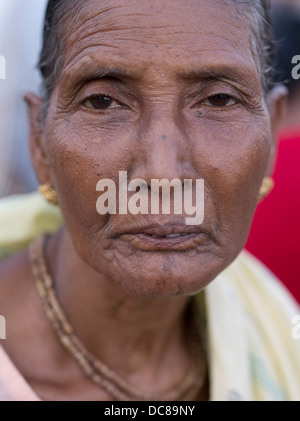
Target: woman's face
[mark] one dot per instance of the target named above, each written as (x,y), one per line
(160,90)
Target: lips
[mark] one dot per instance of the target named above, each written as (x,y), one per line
(169,231)
(167,237)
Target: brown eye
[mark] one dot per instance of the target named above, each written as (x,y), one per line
(221,100)
(100,102)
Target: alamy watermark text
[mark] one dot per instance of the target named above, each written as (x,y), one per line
(296,326)
(2,327)
(171,196)
(296,69)
(2,67)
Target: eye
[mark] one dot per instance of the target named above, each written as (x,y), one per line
(220,100)
(100,102)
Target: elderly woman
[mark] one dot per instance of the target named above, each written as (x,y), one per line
(142,306)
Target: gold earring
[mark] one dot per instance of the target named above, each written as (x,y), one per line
(266,188)
(48,193)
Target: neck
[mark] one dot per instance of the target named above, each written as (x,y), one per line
(108,320)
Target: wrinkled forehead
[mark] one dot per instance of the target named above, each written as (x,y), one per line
(141,33)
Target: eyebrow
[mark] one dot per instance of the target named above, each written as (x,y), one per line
(235,74)
(88,73)
(239,73)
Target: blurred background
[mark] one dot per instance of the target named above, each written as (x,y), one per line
(20,40)
(275,234)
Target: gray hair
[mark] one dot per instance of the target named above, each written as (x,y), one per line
(59,11)
(262,40)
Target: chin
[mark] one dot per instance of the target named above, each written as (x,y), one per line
(166,274)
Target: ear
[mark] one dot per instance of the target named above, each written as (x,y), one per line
(277,104)
(37,143)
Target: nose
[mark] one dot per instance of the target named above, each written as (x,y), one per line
(164,150)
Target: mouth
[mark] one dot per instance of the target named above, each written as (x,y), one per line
(167,236)
(174,237)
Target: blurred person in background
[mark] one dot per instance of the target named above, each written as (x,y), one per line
(19,44)
(275,233)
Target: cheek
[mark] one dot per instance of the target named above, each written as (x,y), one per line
(79,158)
(232,159)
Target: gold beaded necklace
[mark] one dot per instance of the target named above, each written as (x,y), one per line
(94,369)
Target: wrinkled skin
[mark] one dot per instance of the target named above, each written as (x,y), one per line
(165,65)
(169,60)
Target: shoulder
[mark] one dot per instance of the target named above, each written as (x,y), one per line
(13,386)
(259,287)
(25,324)
(15,277)
(250,316)
(16,304)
